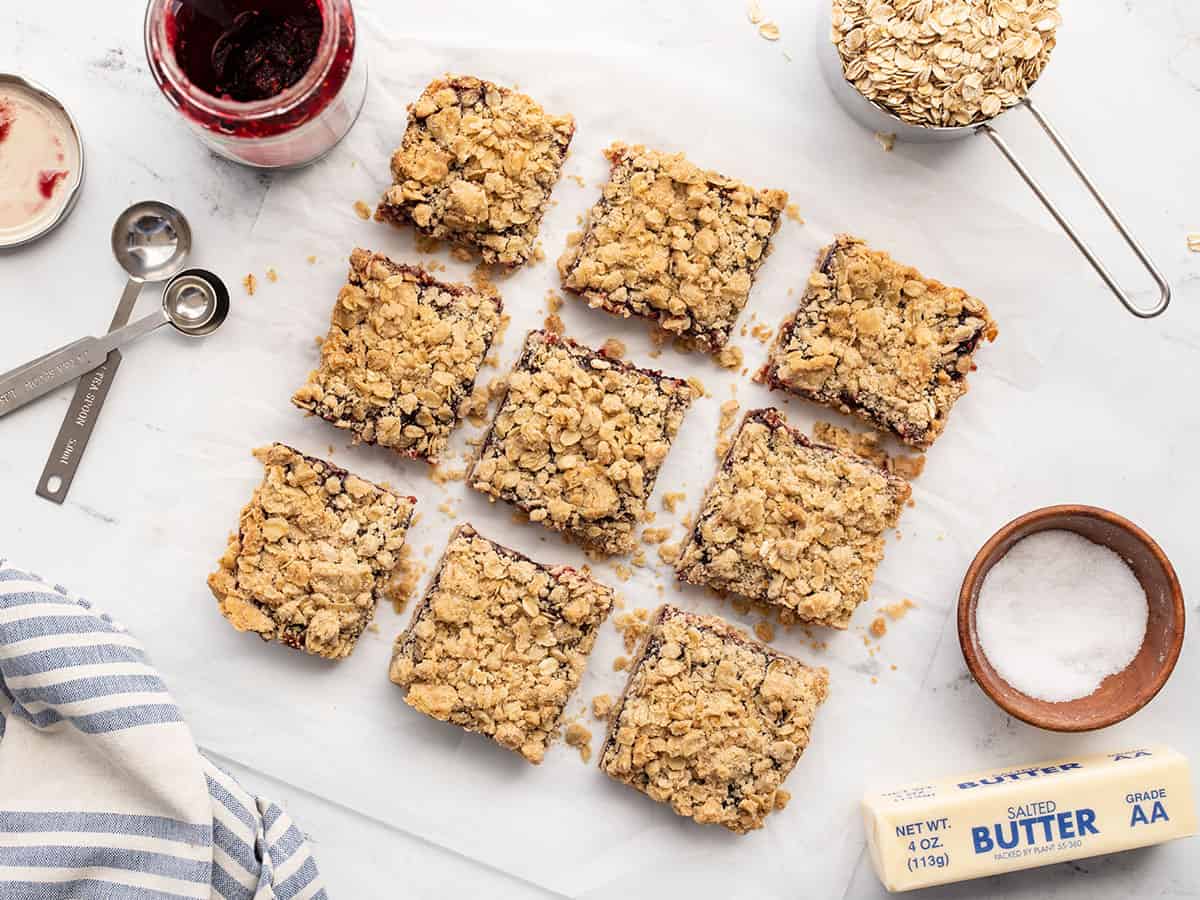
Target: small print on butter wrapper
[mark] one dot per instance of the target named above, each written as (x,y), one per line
(1003,820)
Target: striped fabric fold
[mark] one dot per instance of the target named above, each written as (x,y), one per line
(103,793)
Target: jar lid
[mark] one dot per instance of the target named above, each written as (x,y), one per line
(44,167)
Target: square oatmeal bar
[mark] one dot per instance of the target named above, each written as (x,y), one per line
(476,167)
(401,356)
(878,339)
(711,721)
(499,642)
(578,440)
(315,550)
(674,243)
(792,523)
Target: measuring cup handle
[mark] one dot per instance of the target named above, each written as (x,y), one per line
(1164,299)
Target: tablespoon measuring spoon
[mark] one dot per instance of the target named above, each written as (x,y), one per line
(150,241)
(195,303)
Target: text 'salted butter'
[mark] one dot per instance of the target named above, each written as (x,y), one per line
(953,829)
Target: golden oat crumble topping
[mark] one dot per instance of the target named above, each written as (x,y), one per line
(792,523)
(867,444)
(316,548)
(579,439)
(674,243)
(499,642)
(711,721)
(476,167)
(878,339)
(399,364)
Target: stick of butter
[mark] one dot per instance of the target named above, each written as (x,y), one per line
(1002,820)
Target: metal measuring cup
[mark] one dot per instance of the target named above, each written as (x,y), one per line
(194,303)
(150,241)
(877,118)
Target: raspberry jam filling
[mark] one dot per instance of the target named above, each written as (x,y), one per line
(246,50)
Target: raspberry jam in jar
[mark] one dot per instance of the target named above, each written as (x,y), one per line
(268,83)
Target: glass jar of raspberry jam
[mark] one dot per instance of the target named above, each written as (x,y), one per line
(268,83)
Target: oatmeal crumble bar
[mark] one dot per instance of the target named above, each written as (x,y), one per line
(314,551)
(711,721)
(476,167)
(401,357)
(792,523)
(878,339)
(499,642)
(674,243)
(579,439)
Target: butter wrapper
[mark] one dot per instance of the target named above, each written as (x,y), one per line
(1003,820)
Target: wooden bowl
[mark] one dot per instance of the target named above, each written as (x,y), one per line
(1121,695)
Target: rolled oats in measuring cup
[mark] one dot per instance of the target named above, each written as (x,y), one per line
(937,70)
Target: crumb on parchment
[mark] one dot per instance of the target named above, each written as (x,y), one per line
(250,283)
(897,611)
(632,627)
(602,705)
(613,348)
(403,583)
(730,357)
(579,736)
(362,210)
(655,535)
(672,499)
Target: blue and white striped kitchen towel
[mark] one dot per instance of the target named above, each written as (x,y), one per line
(103,793)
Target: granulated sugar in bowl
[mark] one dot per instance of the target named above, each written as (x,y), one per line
(1058,614)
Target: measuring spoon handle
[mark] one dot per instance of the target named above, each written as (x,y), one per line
(90,393)
(68,363)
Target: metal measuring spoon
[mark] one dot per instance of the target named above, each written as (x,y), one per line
(150,241)
(194,303)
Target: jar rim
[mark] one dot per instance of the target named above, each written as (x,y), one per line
(167,71)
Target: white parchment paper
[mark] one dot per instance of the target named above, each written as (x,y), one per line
(1070,405)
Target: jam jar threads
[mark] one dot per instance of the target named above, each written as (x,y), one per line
(268,83)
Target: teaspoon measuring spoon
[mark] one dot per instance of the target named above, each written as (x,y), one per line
(195,303)
(150,241)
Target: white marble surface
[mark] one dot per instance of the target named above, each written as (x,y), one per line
(167,466)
